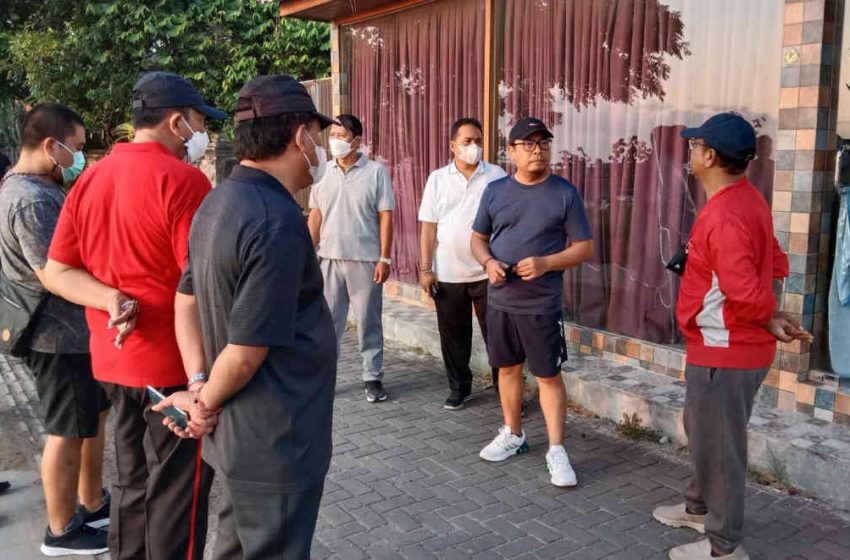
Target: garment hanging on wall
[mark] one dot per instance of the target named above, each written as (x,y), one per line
(839,292)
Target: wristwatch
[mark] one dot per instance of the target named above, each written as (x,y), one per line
(197,377)
(386,261)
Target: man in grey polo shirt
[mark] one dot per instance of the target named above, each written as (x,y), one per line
(351,223)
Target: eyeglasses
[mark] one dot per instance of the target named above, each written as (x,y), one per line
(528,145)
(692,142)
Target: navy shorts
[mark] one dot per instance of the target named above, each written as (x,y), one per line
(513,338)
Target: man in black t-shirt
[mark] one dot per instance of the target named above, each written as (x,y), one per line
(529,229)
(266,329)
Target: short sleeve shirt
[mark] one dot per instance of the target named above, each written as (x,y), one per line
(126,222)
(349,203)
(530,221)
(256,280)
(29,210)
(451,201)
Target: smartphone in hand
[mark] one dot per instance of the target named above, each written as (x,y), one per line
(178,416)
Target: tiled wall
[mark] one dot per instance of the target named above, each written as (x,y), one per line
(803,198)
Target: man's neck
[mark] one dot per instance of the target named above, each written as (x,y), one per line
(30,164)
(717,182)
(277,169)
(466,169)
(163,137)
(531,179)
(348,161)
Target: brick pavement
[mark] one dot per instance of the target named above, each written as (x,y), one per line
(406,483)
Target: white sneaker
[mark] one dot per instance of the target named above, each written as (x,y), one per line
(504,446)
(558,466)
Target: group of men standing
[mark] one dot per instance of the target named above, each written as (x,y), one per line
(232,305)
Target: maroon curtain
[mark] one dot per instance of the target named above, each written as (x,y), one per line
(640,203)
(412,74)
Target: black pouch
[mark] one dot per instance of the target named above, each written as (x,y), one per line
(679,260)
(19,310)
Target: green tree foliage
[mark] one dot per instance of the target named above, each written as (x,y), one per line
(88,54)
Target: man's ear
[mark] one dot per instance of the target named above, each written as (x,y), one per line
(299,136)
(174,121)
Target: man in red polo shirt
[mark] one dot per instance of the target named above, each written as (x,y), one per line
(119,249)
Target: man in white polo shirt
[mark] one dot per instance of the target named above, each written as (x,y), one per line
(454,279)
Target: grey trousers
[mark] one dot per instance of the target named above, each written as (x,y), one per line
(266,525)
(351,283)
(718,405)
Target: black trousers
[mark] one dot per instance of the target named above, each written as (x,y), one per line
(262,524)
(160,500)
(454,303)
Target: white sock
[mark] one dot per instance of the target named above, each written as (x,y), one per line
(555,447)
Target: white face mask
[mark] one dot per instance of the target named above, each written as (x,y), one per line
(317,171)
(339,148)
(196,145)
(470,153)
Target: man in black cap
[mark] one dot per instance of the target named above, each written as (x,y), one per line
(530,228)
(727,311)
(119,249)
(264,329)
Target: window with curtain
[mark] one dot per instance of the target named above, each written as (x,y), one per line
(617,80)
(411,75)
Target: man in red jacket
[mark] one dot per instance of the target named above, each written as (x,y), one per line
(727,311)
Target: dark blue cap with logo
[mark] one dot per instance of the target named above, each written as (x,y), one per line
(729,134)
(158,90)
(526,127)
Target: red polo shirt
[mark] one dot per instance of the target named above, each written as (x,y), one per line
(126,221)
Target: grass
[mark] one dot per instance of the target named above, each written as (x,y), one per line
(631,427)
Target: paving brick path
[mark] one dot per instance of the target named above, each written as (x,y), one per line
(406,483)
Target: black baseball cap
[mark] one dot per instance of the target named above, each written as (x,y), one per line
(158,90)
(270,96)
(730,134)
(526,127)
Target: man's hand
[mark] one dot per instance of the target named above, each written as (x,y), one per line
(201,422)
(428,280)
(496,271)
(123,314)
(382,273)
(786,328)
(532,267)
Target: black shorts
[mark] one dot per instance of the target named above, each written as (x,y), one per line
(71,400)
(513,338)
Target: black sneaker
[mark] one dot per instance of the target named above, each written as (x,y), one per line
(99,518)
(5,485)
(375,391)
(78,539)
(456,400)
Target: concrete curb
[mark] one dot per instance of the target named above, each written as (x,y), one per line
(810,454)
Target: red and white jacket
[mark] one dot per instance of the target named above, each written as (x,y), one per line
(726,296)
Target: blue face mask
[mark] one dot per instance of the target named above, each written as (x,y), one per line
(69,174)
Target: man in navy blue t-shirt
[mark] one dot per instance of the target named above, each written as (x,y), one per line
(530,228)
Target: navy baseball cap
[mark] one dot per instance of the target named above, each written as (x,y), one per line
(158,90)
(729,134)
(526,127)
(270,96)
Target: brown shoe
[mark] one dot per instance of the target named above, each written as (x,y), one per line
(678,516)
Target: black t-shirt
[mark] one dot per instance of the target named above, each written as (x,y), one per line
(254,273)
(530,221)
